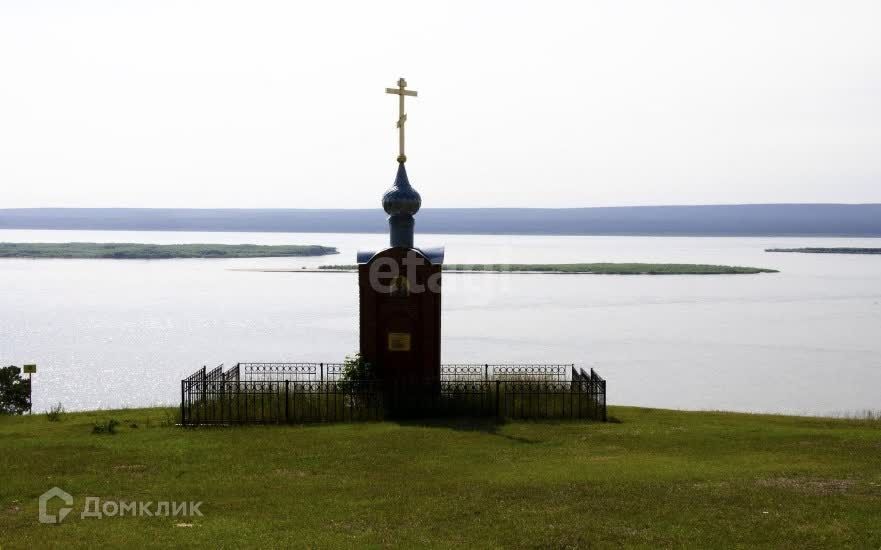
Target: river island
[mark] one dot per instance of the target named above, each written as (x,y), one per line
(839,250)
(590,269)
(137,251)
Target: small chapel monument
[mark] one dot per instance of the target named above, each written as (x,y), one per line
(400,287)
(400,336)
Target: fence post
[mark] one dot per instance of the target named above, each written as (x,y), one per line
(183,418)
(486,372)
(287,416)
(322,371)
(498,389)
(222,384)
(603,384)
(595,388)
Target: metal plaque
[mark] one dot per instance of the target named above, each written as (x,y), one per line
(399,341)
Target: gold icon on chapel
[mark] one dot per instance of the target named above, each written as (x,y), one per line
(399,341)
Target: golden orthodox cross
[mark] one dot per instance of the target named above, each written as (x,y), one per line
(401,91)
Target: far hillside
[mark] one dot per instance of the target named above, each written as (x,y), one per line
(838,220)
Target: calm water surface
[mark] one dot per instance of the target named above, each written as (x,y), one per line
(109,333)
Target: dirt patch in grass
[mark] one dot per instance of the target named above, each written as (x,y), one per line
(711,485)
(809,486)
(284,472)
(129,468)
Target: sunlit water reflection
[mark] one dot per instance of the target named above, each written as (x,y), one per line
(108,333)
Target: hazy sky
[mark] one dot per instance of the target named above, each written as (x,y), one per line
(282,104)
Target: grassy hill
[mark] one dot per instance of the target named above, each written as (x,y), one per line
(656,479)
(127,251)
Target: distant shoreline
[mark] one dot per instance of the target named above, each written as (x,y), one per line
(139,251)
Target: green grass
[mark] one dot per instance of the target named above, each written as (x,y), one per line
(657,479)
(125,251)
(598,268)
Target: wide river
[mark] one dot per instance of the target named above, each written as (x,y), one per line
(807,340)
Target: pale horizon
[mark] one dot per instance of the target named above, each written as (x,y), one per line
(271,105)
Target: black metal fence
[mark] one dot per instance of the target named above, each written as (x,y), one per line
(317,392)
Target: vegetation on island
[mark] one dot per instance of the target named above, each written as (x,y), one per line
(128,251)
(651,479)
(593,268)
(837,250)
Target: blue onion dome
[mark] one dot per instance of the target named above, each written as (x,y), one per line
(401,198)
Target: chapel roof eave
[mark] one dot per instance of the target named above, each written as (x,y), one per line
(434,255)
